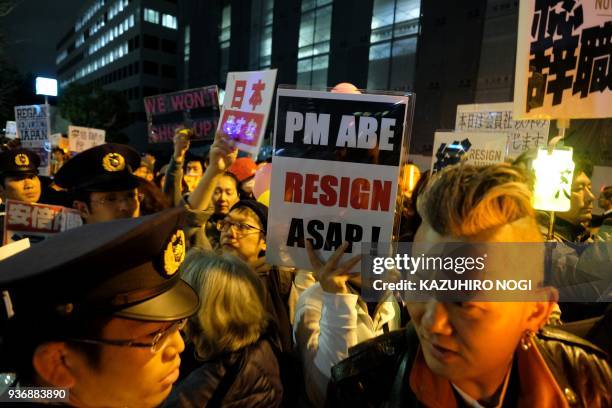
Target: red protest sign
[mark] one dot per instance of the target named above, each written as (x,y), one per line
(37,221)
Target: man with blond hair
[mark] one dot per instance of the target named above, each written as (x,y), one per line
(467,351)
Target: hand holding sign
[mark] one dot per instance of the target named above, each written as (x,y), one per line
(181,143)
(333,278)
(223,153)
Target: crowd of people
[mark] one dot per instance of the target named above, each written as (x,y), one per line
(164,296)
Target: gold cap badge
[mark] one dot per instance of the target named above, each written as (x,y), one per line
(22,160)
(113,162)
(174,254)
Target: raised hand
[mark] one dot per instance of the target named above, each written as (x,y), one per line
(223,153)
(333,278)
(181,143)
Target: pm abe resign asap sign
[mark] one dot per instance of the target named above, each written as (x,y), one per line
(335,172)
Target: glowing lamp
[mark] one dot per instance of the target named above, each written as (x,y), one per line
(46,86)
(410,177)
(553,173)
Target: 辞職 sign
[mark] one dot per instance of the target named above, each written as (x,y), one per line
(563,62)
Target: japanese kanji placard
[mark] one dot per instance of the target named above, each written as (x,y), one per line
(83,138)
(522,135)
(564,58)
(248,97)
(37,221)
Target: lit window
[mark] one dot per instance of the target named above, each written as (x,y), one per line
(393,39)
(151,16)
(187,41)
(225,31)
(61,57)
(169,21)
(187,53)
(261,24)
(313,51)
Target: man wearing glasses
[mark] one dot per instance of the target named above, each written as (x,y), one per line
(97,311)
(243,230)
(102,184)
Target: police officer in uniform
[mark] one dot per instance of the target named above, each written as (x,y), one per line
(97,310)
(101,182)
(18,179)
(19,175)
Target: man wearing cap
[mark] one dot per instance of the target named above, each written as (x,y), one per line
(19,176)
(83,319)
(102,182)
(18,179)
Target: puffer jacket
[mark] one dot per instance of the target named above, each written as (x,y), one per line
(246,378)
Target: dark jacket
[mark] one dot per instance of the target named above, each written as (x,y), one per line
(247,378)
(389,371)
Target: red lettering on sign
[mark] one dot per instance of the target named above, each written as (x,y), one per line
(239,91)
(359,193)
(256,98)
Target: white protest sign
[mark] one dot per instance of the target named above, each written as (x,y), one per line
(563,61)
(496,118)
(335,172)
(478,149)
(33,124)
(11,129)
(246,107)
(37,221)
(83,138)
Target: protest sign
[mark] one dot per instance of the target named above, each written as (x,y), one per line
(197,109)
(498,117)
(246,107)
(37,221)
(478,149)
(563,62)
(33,126)
(83,138)
(335,172)
(10,131)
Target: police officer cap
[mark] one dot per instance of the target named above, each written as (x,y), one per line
(126,268)
(19,162)
(107,167)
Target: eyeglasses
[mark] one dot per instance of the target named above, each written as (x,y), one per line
(159,339)
(240,228)
(113,200)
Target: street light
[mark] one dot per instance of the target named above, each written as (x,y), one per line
(46,87)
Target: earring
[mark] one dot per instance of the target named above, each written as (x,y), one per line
(526,340)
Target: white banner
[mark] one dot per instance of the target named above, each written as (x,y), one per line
(11,129)
(497,118)
(83,138)
(563,62)
(479,149)
(248,98)
(33,128)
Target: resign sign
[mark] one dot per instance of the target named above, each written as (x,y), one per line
(335,172)
(197,109)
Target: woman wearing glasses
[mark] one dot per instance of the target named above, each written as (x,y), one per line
(236,363)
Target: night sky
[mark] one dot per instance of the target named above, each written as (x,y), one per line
(33,29)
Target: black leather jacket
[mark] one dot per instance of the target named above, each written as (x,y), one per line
(376,373)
